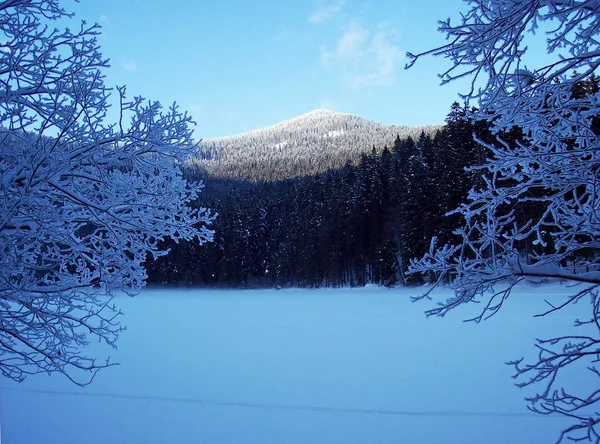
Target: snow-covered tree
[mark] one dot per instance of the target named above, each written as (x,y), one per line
(82,202)
(550,173)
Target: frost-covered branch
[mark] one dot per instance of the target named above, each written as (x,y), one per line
(82,202)
(536,214)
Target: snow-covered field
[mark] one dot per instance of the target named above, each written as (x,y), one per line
(296,366)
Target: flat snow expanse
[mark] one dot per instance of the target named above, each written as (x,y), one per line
(297,366)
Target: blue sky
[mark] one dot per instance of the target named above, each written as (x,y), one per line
(237,65)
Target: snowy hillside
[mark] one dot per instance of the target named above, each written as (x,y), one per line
(308,144)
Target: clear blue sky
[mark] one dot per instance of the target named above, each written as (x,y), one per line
(239,65)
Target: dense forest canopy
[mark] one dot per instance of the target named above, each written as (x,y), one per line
(353,225)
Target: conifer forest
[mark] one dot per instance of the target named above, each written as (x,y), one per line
(353,225)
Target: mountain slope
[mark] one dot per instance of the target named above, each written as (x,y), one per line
(308,144)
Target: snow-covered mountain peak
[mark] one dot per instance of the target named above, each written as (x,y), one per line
(305,122)
(321,113)
(318,116)
(307,144)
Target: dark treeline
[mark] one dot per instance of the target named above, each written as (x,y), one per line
(351,226)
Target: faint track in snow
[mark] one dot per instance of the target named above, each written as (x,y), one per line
(292,407)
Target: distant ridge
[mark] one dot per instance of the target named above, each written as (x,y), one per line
(317,115)
(308,144)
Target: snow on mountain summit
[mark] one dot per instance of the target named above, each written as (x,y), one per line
(320,117)
(307,144)
(319,114)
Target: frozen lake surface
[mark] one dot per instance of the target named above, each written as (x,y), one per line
(296,366)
